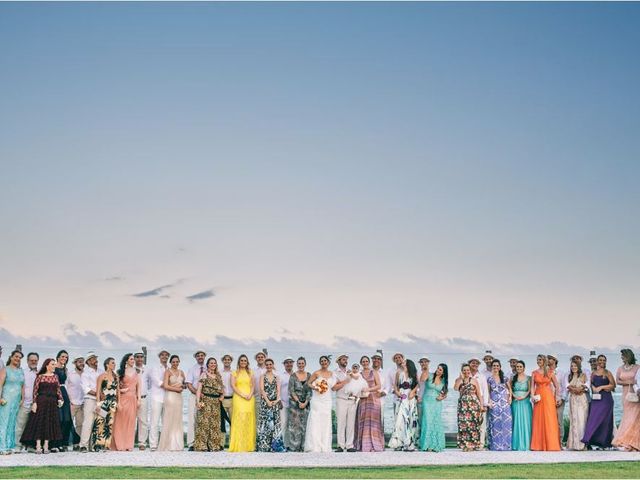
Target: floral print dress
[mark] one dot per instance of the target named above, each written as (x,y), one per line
(405,432)
(270,437)
(469,417)
(103,423)
(208,434)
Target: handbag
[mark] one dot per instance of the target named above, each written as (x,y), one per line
(596,396)
(632,396)
(536,398)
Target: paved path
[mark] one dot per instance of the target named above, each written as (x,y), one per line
(387,458)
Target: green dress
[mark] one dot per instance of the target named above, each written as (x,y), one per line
(522,414)
(431,427)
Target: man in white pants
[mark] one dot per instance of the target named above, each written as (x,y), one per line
(143,409)
(30,374)
(76,398)
(192,379)
(284,397)
(474,364)
(345,423)
(156,392)
(89,377)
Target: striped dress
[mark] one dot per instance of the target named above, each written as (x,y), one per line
(369,436)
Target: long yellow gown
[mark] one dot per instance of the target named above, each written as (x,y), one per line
(243,419)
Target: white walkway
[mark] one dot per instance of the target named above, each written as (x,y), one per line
(387,458)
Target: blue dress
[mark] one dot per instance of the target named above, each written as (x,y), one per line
(499,421)
(431,427)
(522,413)
(12,393)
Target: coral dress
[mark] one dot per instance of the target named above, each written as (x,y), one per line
(545,435)
(124,425)
(628,435)
(243,418)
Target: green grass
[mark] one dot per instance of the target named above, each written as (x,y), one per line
(558,470)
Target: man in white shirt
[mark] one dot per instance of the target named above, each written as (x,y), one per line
(488,360)
(424,370)
(344,416)
(376,364)
(76,396)
(258,371)
(192,379)
(156,392)
(143,409)
(512,364)
(474,364)
(284,397)
(225,373)
(30,374)
(561,394)
(89,378)
(390,383)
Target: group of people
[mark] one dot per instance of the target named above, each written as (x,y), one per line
(526,412)
(54,406)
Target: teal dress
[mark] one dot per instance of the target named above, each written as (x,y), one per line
(522,413)
(431,427)
(12,394)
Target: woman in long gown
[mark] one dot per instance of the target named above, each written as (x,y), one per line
(318,436)
(299,396)
(578,406)
(521,410)
(66,421)
(270,437)
(43,425)
(499,419)
(545,434)
(405,432)
(209,396)
(368,435)
(243,418)
(432,437)
(628,434)
(11,397)
(172,435)
(107,398)
(599,429)
(470,410)
(124,425)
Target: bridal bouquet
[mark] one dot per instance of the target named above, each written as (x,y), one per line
(322,385)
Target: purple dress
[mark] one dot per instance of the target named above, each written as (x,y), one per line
(499,420)
(599,428)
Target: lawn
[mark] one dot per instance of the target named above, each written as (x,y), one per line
(558,470)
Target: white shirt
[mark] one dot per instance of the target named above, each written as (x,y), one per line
(90,380)
(156,379)
(284,388)
(487,373)
(257,373)
(391,382)
(484,387)
(355,386)
(194,374)
(143,373)
(74,387)
(563,383)
(29,380)
(383,382)
(341,376)
(226,381)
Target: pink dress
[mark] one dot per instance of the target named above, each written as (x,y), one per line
(628,435)
(124,426)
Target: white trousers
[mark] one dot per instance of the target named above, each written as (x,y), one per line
(77,416)
(88,413)
(346,420)
(560,412)
(21,422)
(156,418)
(191,420)
(483,430)
(284,415)
(143,422)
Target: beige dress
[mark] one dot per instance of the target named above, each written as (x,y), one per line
(578,412)
(172,436)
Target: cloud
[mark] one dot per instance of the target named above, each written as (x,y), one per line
(201,295)
(113,279)
(152,293)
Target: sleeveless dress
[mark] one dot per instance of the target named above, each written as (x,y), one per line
(545,435)
(103,425)
(297,419)
(578,411)
(124,426)
(599,428)
(521,413)
(172,435)
(369,436)
(499,419)
(469,417)
(405,432)
(12,394)
(243,417)
(318,436)
(45,423)
(66,422)
(628,435)
(270,437)
(208,433)
(431,428)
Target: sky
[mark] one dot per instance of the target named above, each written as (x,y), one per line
(320,171)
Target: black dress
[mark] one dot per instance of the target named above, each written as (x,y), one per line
(45,423)
(66,421)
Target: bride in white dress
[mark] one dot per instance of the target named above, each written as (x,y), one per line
(318,437)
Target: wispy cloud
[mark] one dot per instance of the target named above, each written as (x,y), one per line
(201,295)
(152,293)
(114,279)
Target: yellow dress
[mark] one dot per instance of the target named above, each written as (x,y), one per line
(243,419)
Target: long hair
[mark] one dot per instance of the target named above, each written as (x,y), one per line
(545,364)
(514,378)
(413,372)
(445,377)
(628,356)
(578,373)
(60,353)
(12,354)
(209,360)
(238,363)
(106,362)
(123,365)
(500,372)
(45,364)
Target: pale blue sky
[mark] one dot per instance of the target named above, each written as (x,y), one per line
(443,169)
